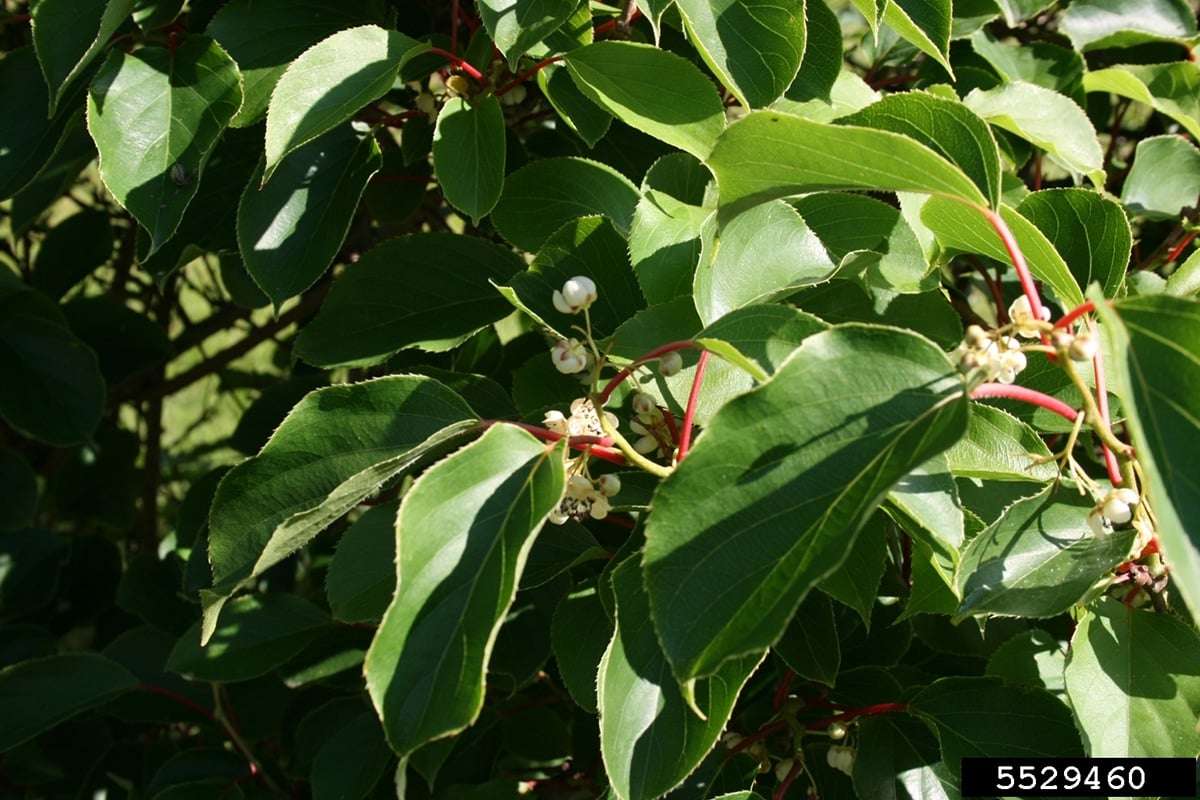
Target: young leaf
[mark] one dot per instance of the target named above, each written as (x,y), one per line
(258,633)
(627,79)
(650,738)
(1047,120)
(329,83)
(398,295)
(1163,179)
(1133,678)
(770,499)
(1096,24)
(38,694)
(176,101)
(1171,89)
(541,197)
(1039,559)
(769,154)
(69,34)
(1157,377)
(462,535)
(754,46)
(338,445)
(468,154)
(1000,447)
(290,229)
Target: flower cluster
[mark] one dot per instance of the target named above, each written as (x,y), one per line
(1115,509)
(650,425)
(585,498)
(999,358)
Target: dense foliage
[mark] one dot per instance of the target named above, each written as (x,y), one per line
(309,305)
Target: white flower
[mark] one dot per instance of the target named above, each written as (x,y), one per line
(555,421)
(783,769)
(577,294)
(1025,324)
(644,403)
(1098,523)
(670,364)
(1116,506)
(581,498)
(608,485)
(646,442)
(841,758)
(570,356)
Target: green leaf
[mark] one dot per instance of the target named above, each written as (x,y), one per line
(426,290)
(822,61)
(583,116)
(664,237)
(1033,658)
(38,694)
(981,717)
(69,34)
(768,154)
(257,634)
(785,252)
(1039,559)
(1058,69)
(517,25)
(809,645)
(580,633)
(1163,179)
(30,138)
(1016,11)
(1097,24)
(855,583)
(463,533)
(869,236)
(175,101)
(1157,377)
(334,448)
(753,46)
(362,572)
(125,341)
(541,197)
(627,80)
(591,247)
(71,250)
(250,31)
(1088,230)
(55,391)
(360,743)
(468,154)
(329,83)
(1000,447)
(925,24)
(290,229)
(963,229)
(897,757)
(1185,280)
(1046,119)
(925,504)
(945,126)
(18,490)
(1172,89)
(771,498)
(1133,678)
(650,738)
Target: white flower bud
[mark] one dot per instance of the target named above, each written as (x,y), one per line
(569,356)
(577,294)
(1084,347)
(783,768)
(578,486)
(1116,511)
(837,731)
(608,485)
(841,758)
(670,364)
(1023,320)
(426,103)
(1097,523)
(514,96)
(644,403)
(1127,496)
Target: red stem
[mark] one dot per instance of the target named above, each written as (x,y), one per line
(1075,313)
(527,74)
(599,446)
(454,26)
(1018,259)
(460,63)
(178,698)
(761,733)
(852,713)
(782,689)
(1014,392)
(657,352)
(1184,242)
(689,414)
(402,179)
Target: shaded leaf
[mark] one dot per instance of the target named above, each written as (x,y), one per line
(664,236)
(1088,230)
(580,633)
(468,154)
(362,572)
(810,645)
(69,34)
(516,25)
(463,533)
